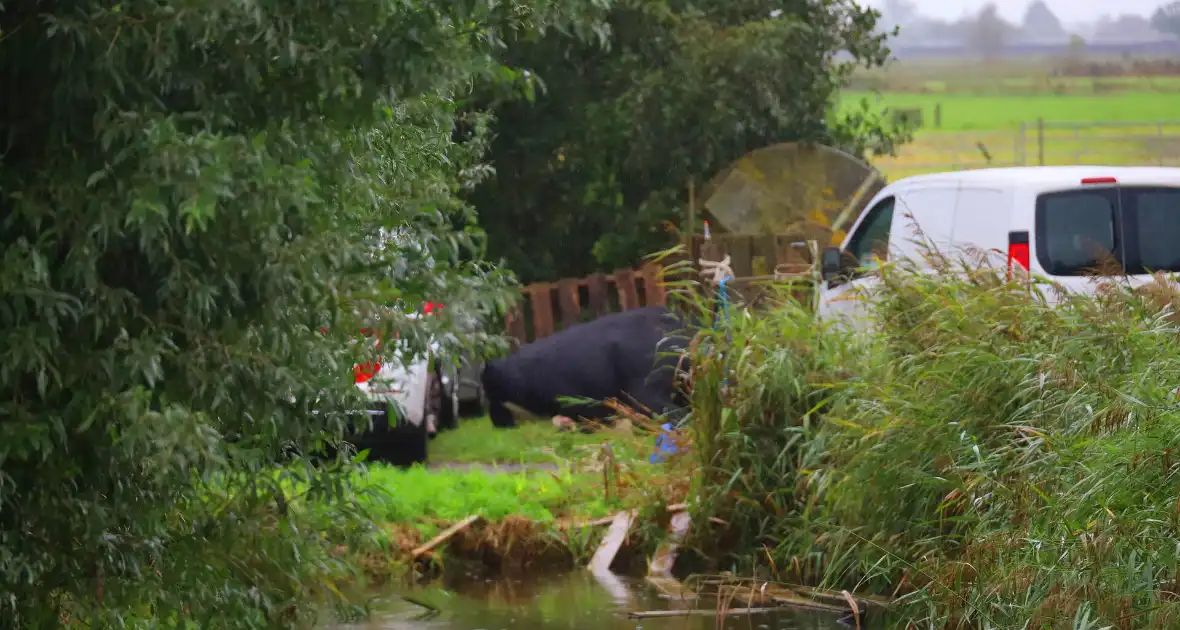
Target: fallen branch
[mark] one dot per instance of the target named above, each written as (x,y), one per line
(783,597)
(584,524)
(853,606)
(689,612)
(864,601)
(446,535)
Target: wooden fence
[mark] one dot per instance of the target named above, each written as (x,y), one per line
(757,262)
(760,264)
(754,256)
(547,307)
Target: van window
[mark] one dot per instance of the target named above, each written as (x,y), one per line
(1076,230)
(1156,213)
(872,235)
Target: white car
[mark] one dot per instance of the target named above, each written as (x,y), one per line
(1050,221)
(408,404)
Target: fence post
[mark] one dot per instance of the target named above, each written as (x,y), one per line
(541,301)
(514,325)
(1022,144)
(597,287)
(1041,141)
(1159,145)
(654,294)
(625,285)
(568,302)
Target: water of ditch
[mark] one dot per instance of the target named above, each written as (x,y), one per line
(570,601)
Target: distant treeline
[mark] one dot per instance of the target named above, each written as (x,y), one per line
(1163,47)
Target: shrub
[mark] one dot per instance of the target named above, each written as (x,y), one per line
(189,197)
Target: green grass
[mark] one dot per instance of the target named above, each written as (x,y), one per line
(962,112)
(478,441)
(574,489)
(428,497)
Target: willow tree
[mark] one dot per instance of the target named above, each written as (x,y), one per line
(188,197)
(590,168)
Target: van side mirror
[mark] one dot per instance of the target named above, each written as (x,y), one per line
(830,262)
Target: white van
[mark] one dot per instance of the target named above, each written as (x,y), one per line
(1051,220)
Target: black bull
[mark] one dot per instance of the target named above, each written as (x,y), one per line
(630,356)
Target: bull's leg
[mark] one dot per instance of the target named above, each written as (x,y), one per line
(501,416)
(654,394)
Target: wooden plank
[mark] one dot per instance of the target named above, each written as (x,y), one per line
(514,325)
(661,563)
(709,250)
(446,535)
(606,552)
(741,251)
(567,300)
(596,286)
(625,284)
(765,255)
(653,276)
(542,305)
(782,247)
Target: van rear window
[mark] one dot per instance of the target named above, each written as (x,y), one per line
(1156,213)
(1137,226)
(1075,230)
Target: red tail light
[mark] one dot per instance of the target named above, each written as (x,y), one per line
(1018,253)
(365,373)
(1099,180)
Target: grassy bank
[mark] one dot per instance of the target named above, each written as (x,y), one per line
(991,460)
(534,486)
(477,441)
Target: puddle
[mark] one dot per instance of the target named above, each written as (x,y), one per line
(571,601)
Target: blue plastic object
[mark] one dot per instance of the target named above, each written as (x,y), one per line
(665,445)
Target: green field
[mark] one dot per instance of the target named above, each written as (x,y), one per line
(964,112)
(992,115)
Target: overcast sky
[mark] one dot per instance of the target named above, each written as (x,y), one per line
(1067,10)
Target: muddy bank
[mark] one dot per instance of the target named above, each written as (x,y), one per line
(510,547)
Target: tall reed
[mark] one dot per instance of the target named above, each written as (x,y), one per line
(996,458)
